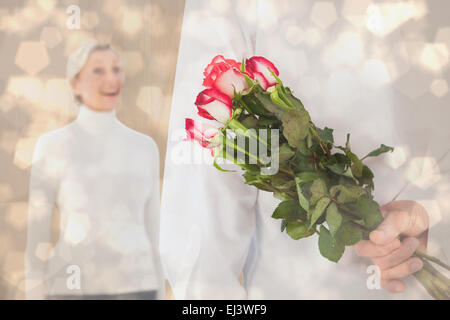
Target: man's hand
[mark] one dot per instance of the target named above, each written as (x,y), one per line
(392,256)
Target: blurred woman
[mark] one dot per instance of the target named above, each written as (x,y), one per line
(104,179)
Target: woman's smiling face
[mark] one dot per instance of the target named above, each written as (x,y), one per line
(100,82)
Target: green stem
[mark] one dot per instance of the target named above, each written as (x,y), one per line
(441,289)
(236,147)
(432,259)
(340,206)
(359,226)
(275,189)
(325,150)
(424,277)
(235,125)
(288,172)
(444,281)
(244,105)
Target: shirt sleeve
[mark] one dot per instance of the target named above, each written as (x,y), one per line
(207,216)
(153,219)
(42,193)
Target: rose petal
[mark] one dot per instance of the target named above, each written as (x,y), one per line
(203,113)
(263,66)
(217,110)
(200,132)
(230,81)
(214,105)
(258,76)
(216,68)
(205,96)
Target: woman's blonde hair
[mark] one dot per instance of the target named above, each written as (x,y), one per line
(79,57)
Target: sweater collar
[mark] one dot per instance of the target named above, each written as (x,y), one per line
(96,121)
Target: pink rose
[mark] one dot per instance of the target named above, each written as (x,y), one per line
(201,132)
(214,105)
(224,75)
(260,69)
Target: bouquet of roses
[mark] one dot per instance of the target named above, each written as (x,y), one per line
(324,188)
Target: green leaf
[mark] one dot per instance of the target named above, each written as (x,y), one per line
(338,168)
(304,203)
(275,97)
(367,177)
(347,143)
(292,99)
(319,209)
(306,177)
(349,174)
(297,230)
(341,158)
(280,181)
(325,134)
(333,218)
(283,225)
(243,65)
(357,165)
(287,210)
(281,196)
(309,141)
(295,126)
(276,78)
(318,189)
(382,149)
(283,95)
(268,121)
(338,163)
(259,103)
(349,234)
(255,179)
(329,247)
(346,194)
(249,121)
(285,153)
(250,83)
(304,150)
(369,210)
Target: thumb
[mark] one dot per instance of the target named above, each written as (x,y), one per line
(395,223)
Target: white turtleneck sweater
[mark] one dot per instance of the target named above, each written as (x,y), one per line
(104,179)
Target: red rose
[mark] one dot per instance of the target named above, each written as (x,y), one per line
(214,105)
(260,69)
(225,76)
(201,132)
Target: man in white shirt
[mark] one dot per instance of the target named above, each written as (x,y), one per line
(213,226)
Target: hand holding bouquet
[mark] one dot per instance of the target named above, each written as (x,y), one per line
(324,188)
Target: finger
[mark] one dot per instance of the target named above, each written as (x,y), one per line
(366,248)
(399,205)
(392,226)
(394,286)
(385,209)
(406,250)
(404,269)
(418,216)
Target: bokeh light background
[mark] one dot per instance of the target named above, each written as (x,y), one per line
(411,53)
(35,98)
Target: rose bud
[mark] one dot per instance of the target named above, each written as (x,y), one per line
(201,132)
(260,68)
(224,75)
(214,105)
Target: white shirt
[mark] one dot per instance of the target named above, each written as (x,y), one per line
(214,226)
(104,179)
